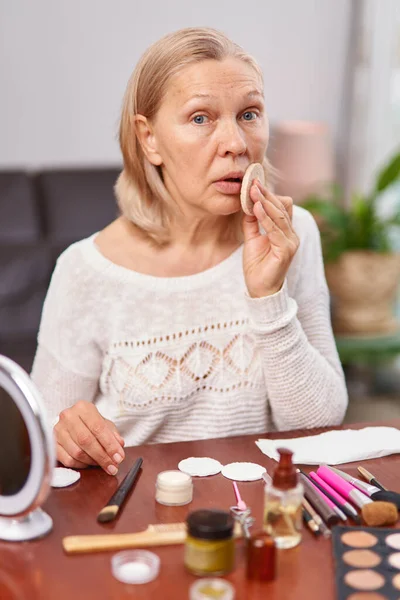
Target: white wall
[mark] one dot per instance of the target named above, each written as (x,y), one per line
(64,65)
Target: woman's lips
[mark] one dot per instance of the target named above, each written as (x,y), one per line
(228,187)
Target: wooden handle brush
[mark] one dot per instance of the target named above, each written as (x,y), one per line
(154,535)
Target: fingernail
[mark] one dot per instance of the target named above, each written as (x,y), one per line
(112,470)
(117,458)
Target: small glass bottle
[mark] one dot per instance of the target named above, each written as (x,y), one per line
(261,557)
(283,503)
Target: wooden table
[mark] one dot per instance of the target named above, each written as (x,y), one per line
(39,570)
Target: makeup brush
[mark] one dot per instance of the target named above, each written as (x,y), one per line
(311,524)
(371,491)
(380,513)
(326,532)
(312,495)
(336,498)
(343,487)
(370,478)
(329,502)
(110,511)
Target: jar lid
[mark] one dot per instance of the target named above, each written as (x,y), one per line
(135,566)
(174,479)
(210,524)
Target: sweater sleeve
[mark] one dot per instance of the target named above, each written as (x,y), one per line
(304,377)
(67,363)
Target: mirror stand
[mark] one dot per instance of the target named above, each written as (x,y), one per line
(18,529)
(26,456)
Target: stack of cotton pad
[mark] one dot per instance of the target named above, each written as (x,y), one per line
(238,471)
(200,467)
(243,471)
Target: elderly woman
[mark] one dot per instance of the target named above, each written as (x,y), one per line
(185,318)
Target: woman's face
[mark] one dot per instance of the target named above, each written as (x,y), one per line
(210,126)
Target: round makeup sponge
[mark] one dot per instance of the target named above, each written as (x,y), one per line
(379,513)
(253,171)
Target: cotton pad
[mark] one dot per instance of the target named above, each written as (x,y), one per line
(253,171)
(243,471)
(200,466)
(62,477)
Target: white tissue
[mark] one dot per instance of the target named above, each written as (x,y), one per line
(337,447)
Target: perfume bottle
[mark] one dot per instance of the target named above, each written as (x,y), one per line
(283,503)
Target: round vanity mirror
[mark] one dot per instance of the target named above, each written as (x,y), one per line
(26,456)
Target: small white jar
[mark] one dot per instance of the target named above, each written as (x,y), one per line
(174,488)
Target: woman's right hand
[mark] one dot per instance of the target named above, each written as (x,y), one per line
(84,437)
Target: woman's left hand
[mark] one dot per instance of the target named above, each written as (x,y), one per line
(267,256)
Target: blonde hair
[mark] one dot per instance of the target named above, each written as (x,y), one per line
(141,194)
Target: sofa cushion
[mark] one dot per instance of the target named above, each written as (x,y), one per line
(24,278)
(76,203)
(19,218)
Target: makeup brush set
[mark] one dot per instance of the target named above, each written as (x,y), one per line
(367,558)
(333,496)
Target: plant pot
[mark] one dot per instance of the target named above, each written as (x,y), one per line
(364,285)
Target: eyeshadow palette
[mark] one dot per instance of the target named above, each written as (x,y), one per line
(367,563)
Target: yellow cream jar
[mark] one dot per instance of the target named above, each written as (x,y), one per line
(209,548)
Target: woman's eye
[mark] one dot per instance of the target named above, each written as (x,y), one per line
(249,115)
(199,119)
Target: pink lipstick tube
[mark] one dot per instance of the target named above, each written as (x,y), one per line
(339,499)
(343,488)
(329,502)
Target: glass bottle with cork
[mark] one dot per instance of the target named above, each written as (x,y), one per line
(283,503)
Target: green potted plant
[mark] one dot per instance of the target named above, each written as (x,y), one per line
(361,264)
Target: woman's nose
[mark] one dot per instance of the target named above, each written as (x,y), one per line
(231,139)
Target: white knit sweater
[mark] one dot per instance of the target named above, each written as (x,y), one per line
(191,357)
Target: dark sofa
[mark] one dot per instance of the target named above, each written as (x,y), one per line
(40,215)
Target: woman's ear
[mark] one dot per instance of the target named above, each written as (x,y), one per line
(146,137)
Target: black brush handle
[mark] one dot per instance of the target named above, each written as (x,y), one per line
(126,485)
(376,483)
(387,496)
